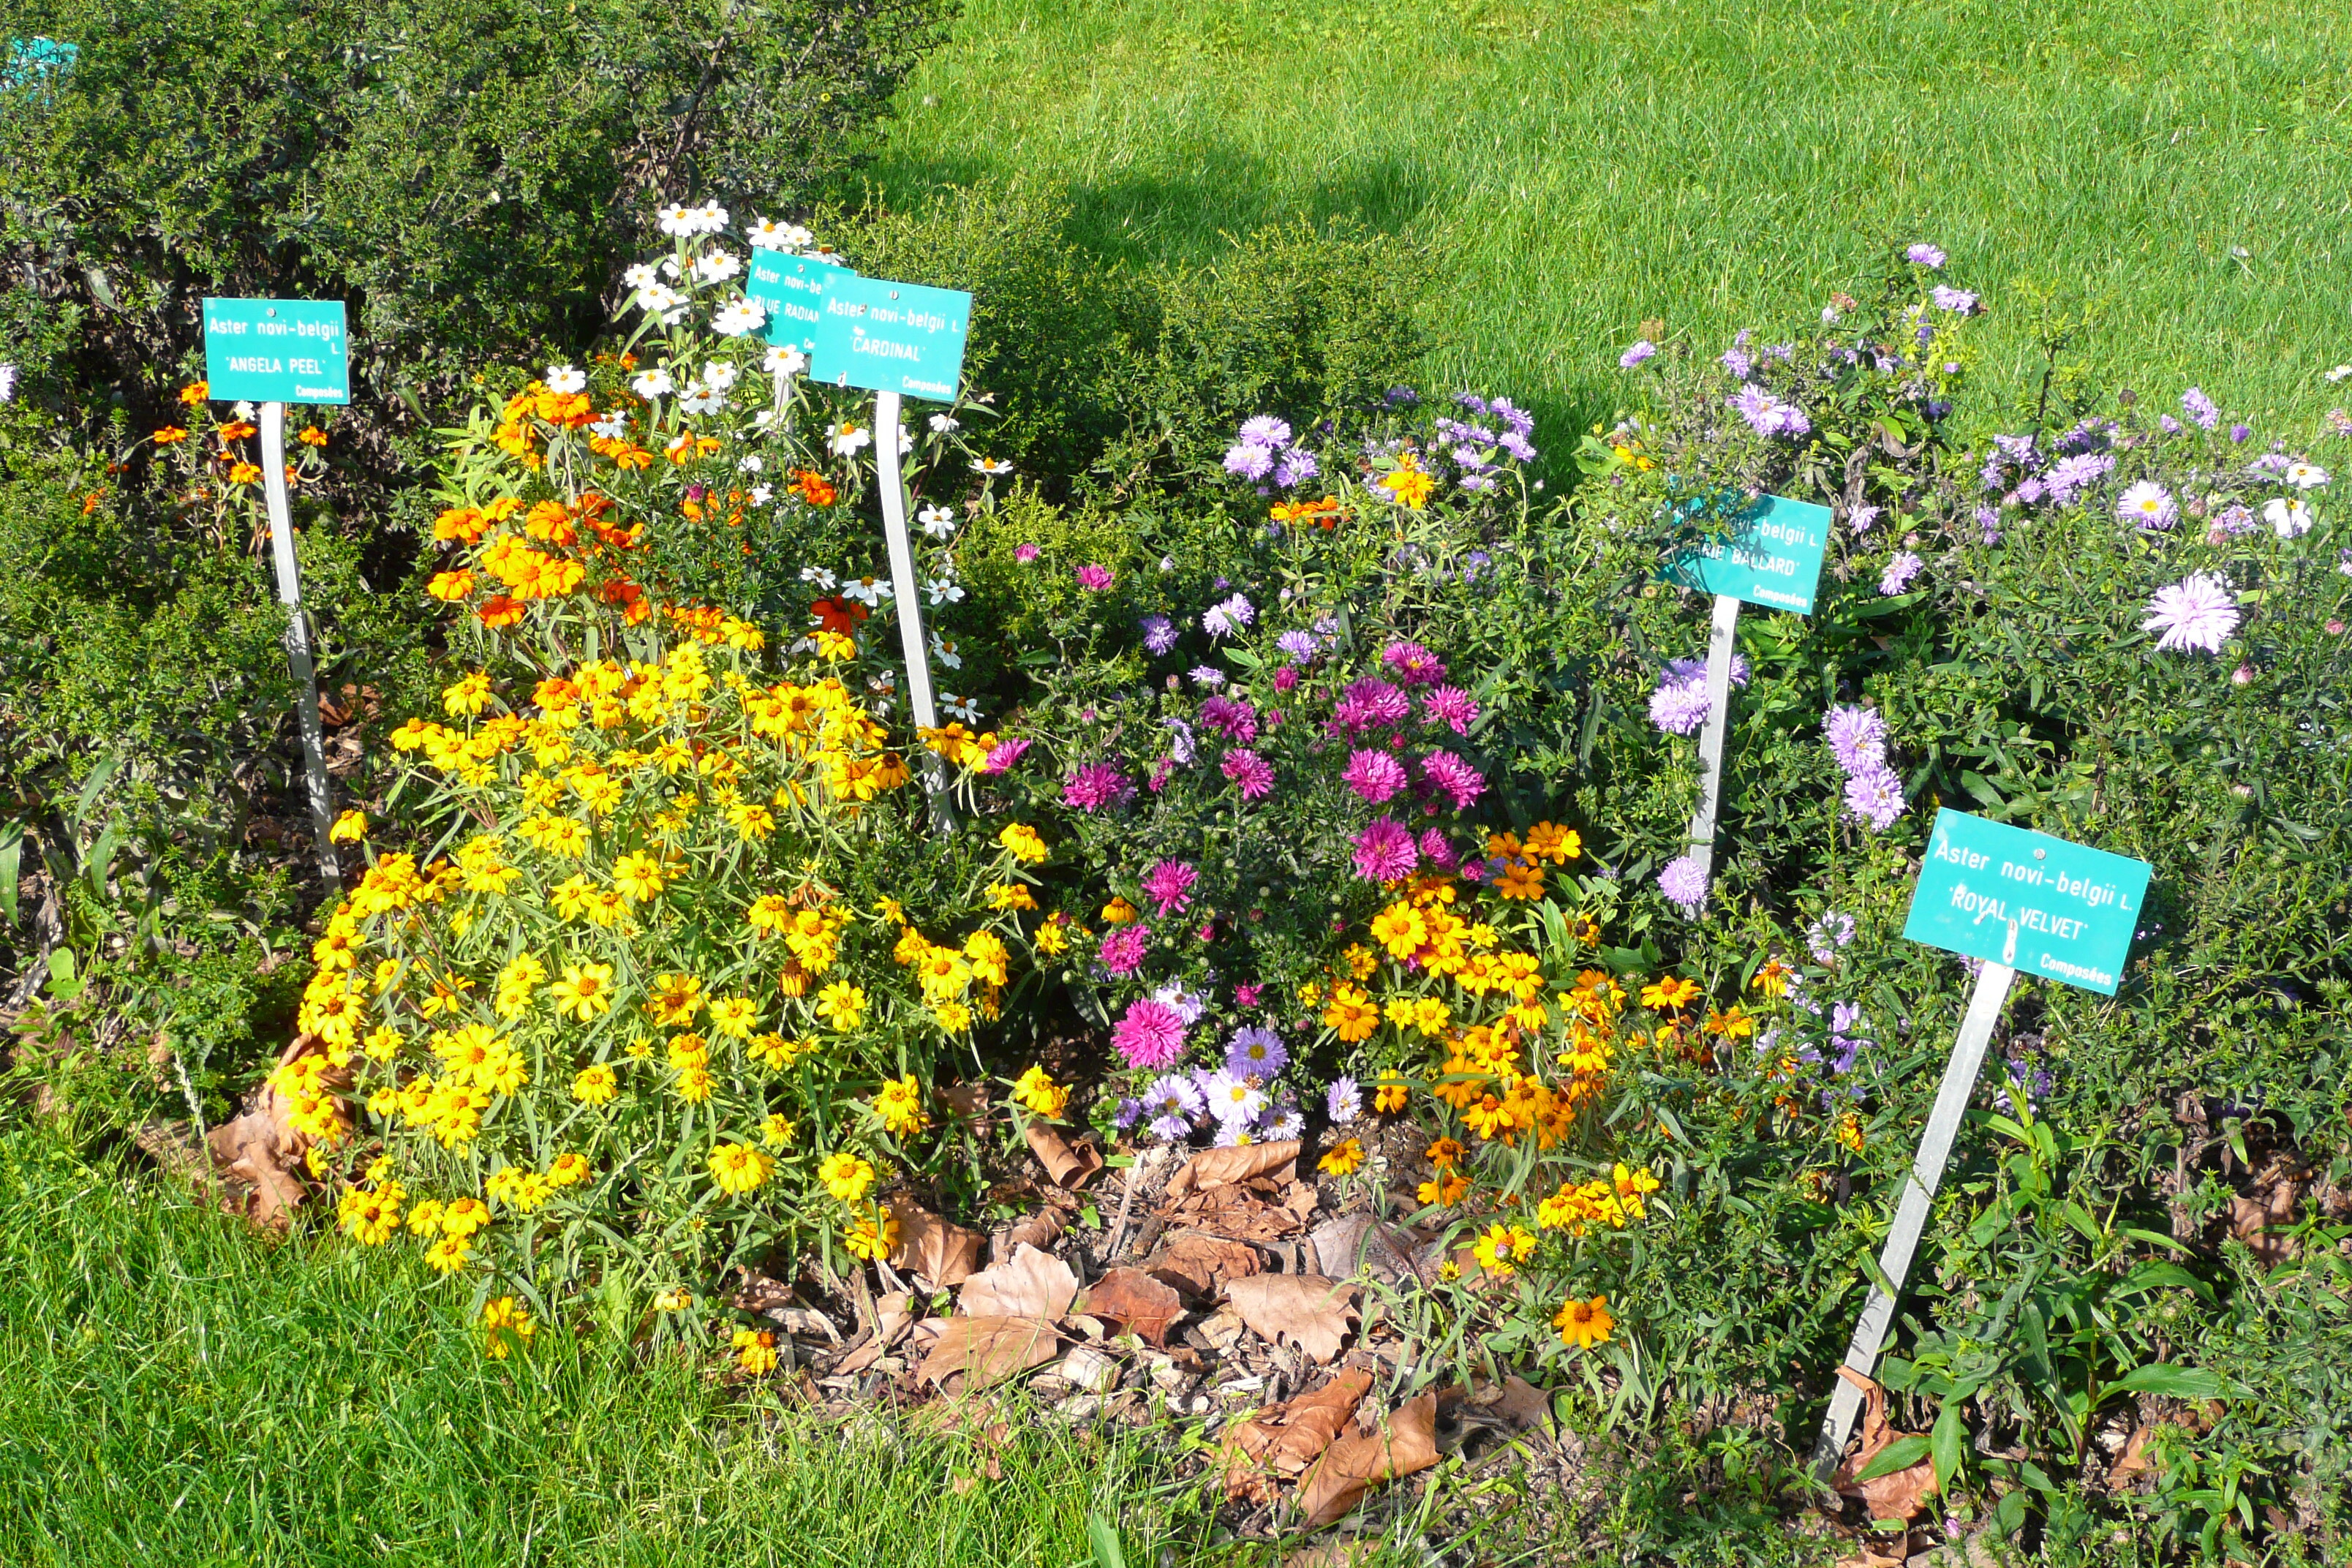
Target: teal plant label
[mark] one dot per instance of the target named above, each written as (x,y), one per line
(2041,905)
(792,289)
(1772,557)
(891,337)
(33,61)
(277,350)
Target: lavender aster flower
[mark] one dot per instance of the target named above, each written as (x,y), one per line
(1874,795)
(1158,634)
(1923,254)
(1344,1100)
(1207,675)
(1256,1051)
(1829,933)
(1636,355)
(2197,613)
(1857,737)
(1174,1095)
(1738,361)
(1265,430)
(2200,408)
(1684,883)
(2148,504)
(1295,467)
(1519,419)
(1900,572)
(1227,617)
(1248,462)
(1958,300)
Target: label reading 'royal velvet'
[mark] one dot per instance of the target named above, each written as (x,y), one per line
(2041,905)
(891,337)
(277,350)
(1772,557)
(792,289)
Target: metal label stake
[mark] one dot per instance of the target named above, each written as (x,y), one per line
(909,590)
(1710,739)
(297,632)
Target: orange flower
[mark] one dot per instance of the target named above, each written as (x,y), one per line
(458,525)
(236,430)
(813,488)
(170,436)
(500,610)
(195,392)
(245,474)
(451,586)
(313,435)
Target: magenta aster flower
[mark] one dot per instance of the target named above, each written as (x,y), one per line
(1452,707)
(1444,771)
(1149,1034)
(1413,664)
(1024,554)
(1374,775)
(1003,755)
(1094,578)
(1253,774)
(1385,851)
(1369,703)
(1094,786)
(2197,613)
(1123,948)
(1231,717)
(1168,884)
(1437,850)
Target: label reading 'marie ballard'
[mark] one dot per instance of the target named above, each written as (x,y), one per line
(1772,557)
(2041,905)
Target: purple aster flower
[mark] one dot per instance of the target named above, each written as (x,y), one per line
(1344,1100)
(2242,433)
(1256,1051)
(1265,430)
(2235,518)
(1373,774)
(1168,885)
(2197,613)
(1436,849)
(1232,717)
(1923,254)
(1285,677)
(1678,705)
(1401,397)
(1452,707)
(1471,401)
(1003,755)
(2167,424)
(1413,664)
(1158,634)
(1874,795)
(1180,742)
(1094,786)
(1094,578)
(1232,1098)
(2068,477)
(1857,737)
(1175,1095)
(1123,949)
(1684,883)
(1249,995)
(1900,572)
(2200,408)
(1251,773)
(1295,467)
(1520,449)
(1170,1129)
(1368,704)
(1248,462)
(1149,1034)
(1519,419)
(2150,505)
(1862,518)
(1641,351)
(2269,465)
(1228,616)
(1738,361)
(1385,851)
(1128,1113)
(1207,675)
(1188,1004)
(1958,300)
(1444,771)
(1829,933)
(1299,645)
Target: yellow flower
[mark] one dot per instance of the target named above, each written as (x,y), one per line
(595,1086)
(1038,1091)
(676,1299)
(738,1168)
(465,1216)
(585,991)
(569,1169)
(776,1131)
(1389,1096)
(1004,896)
(755,1351)
(775,1052)
(677,999)
(348,828)
(637,876)
(1410,484)
(1550,842)
(1024,843)
(1119,912)
(1733,1023)
(874,1239)
(734,1016)
(1670,993)
(899,1104)
(505,1325)
(447,1255)
(1343,1160)
(1849,1132)
(846,1176)
(770,913)
(466,698)
(842,1005)
(425,1218)
(1502,1248)
(1773,978)
(1585,1323)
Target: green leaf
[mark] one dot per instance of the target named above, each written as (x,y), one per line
(1899,1455)
(1103,1536)
(1949,1444)
(12,854)
(2170,1382)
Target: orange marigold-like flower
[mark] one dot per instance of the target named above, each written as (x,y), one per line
(245,474)
(451,586)
(170,436)
(499,611)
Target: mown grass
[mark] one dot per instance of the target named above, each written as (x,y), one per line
(175,1389)
(2173,165)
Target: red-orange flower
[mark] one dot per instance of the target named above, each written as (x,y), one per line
(500,610)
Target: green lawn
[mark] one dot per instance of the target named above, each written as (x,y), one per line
(2175,164)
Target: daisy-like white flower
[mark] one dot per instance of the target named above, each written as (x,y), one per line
(866,591)
(2340,372)
(663,301)
(962,708)
(2148,504)
(700,399)
(751,463)
(720,377)
(2305,476)
(783,361)
(738,317)
(709,217)
(945,652)
(2288,519)
(2197,613)
(820,576)
(938,521)
(768,235)
(760,494)
(716,266)
(944,591)
(565,378)
(994,468)
(611,427)
(905,441)
(654,382)
(945,424)
(846,439)
(675,220)
(641,275)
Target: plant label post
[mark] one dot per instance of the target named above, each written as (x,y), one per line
(1771,557)
(897,341)
(791,287)
(2016,899)
(272,352)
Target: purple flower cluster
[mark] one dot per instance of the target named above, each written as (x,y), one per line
(1003,755)
(1094,786)
(1452,707)
(1857,738)
(1158,634)
(1385,851)
(1249,772)
(1682,881)
(1235,717)
(1412,664)
(1228,617)
(1374,775)
(1900,570)
(1264,452)
(1370,704)
(1767,414)
(1678,707)
(2201,408)
(2197,613)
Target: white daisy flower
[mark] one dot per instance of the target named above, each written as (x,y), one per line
(818,575)
(994,468)
(716,266)
(674,220)
(962,708)
(709,218)
(760,494)
(767,235)
(945,424)
(641,275)
(737,318)
(611,426)
(565,378)
(702,400)
(2288,519)
(944,591)
(720,377)
(796,237)
(845,438)
(654,382)
(784,360)
(2339,372)
(866,591)
(751,464)
(945,652)
(2305,476)
(938,521)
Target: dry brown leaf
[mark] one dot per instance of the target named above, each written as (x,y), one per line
(1351,1553)
(1041,1229)
(1200,1265)
(1898,1494)
(1029,1284)
(1132,1302)
(2257,1221)
(989,1350)
(261,1147)
(941,1253)
(1237,1214)
(1406,1442)
(1288,1437)
(1066,1167)
(1355,1241)
(2134,1461)
(1304,1310)
(1515,1403)
(1218,1167)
